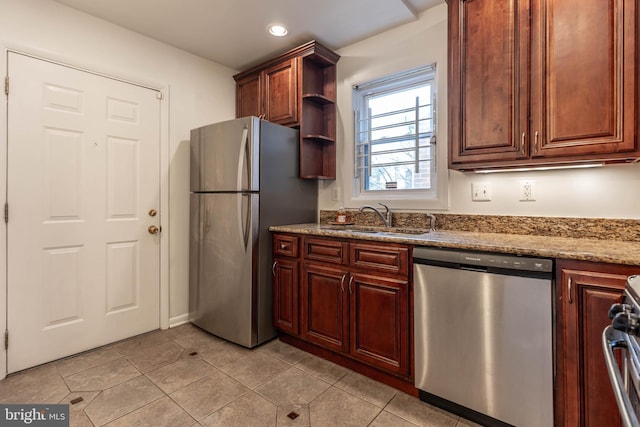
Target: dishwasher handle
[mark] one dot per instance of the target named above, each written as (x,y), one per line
(478,268)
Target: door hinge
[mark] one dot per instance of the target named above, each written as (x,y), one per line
(6,339)
(159,95)
(6,212)
(6,85)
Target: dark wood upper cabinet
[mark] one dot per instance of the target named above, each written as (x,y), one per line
(248,99)
(542,82)
(488,68)
(281,93)
(297,89)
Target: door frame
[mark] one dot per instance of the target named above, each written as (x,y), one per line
(163,88)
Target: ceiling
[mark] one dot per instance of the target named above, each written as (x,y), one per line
(234,32)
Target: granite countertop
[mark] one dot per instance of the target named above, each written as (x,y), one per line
(608,251)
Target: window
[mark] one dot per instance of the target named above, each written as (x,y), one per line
(395,134)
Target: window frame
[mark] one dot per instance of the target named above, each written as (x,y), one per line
(396,82)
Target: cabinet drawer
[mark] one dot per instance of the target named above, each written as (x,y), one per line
(284,245)
(380,257)
(333,251)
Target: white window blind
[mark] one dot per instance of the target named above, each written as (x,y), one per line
(395,133)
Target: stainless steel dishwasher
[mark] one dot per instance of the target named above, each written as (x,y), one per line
(483,335)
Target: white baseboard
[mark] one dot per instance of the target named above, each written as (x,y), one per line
(178,320)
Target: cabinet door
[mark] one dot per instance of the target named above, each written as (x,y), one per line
(488,80)
(286,282)
(379,322)
(248,97)
(584,81)
(585,392)
(325,309)
(281,93)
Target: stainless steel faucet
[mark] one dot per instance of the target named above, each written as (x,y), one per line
(386,217)
(432,221)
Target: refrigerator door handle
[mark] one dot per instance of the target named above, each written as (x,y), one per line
(244,218)
(243,161)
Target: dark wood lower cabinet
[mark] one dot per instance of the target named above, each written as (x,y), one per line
(354,302)
(285,290)
(585,291)
(324,307)
(379,318)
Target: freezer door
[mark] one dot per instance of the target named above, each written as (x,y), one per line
(224,156)
(222,278)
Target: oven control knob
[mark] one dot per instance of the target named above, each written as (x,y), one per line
(617,308)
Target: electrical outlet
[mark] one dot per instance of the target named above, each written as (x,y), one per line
(527,191)
(481,191)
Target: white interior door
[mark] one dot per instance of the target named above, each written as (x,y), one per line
(82,178)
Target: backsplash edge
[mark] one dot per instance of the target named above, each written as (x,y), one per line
(584,228)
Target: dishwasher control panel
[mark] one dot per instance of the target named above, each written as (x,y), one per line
(482,259)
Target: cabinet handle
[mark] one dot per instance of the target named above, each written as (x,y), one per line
(283,246)
(535,143)
(273,268)
(522,143)
(350,282)
(344,276)
(569,290)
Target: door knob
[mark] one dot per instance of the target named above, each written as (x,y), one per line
(153,212)
(153,229)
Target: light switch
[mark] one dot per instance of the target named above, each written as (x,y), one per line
(481,191)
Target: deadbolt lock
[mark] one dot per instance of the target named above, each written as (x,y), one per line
(153,212)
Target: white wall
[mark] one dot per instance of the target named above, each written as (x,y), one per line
(608,192)
(200,92)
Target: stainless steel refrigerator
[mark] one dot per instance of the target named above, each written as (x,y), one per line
(244,178)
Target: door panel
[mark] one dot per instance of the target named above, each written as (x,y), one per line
(83,171)
(325,310)
(584,82)
(225,156)
(586,296)
(225,226)
(379,322)
(248,97)
(281,93)
(286,282)
(488,95)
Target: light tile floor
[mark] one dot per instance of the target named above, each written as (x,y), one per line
(186,377)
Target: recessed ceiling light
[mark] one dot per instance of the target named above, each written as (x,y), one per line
(277,30)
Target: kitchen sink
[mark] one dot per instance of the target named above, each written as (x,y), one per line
(358,229)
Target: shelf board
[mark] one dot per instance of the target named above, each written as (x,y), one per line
(319,138)
(317,177)
(318,98)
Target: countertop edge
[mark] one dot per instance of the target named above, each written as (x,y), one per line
(604,251)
